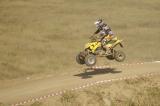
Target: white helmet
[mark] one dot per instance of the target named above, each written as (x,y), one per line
(98,22)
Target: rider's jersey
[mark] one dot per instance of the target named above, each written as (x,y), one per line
(104,30)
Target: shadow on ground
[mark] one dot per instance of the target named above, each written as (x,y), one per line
(90,72)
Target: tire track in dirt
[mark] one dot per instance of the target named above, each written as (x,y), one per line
(45,88)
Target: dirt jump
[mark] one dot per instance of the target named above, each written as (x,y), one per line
(42,88)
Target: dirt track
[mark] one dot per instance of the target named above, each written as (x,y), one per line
(40,87)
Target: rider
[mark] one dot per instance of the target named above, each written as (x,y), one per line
(105,32)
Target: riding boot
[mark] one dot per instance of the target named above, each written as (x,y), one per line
(107,51)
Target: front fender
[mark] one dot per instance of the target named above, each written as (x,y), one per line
(118,42)
(121,45)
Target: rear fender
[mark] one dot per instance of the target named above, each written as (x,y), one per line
(92,46)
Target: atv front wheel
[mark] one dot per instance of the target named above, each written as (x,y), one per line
(90,60)
(110,57)
(120,56)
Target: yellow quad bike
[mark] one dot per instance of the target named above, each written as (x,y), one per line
(95,48)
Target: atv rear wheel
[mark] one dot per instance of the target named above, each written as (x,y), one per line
(90,60)
(120,56)
(80,59)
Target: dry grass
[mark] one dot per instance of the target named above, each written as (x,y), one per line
(38,36)
(136,92)
(37,104)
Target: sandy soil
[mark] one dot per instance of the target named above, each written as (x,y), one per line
(40,87)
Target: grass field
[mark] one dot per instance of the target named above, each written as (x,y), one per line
(137,92)
(44,36)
